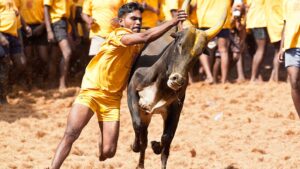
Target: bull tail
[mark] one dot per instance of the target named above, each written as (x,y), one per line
(212,32)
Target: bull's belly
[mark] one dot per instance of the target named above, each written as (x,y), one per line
(149,102)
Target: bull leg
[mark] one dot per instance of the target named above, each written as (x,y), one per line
(170,126)
(143,137)
(133,98)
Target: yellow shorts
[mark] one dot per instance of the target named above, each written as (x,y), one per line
(107,108)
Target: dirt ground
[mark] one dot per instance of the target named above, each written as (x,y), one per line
(244,126)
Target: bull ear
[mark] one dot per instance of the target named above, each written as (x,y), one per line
(174,35)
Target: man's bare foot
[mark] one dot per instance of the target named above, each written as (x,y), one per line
(240,80)
(209,81)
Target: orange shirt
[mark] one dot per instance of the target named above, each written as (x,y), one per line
(32,11)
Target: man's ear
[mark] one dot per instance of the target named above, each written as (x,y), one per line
(121,22)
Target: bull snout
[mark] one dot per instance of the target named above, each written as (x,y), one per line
(176,81)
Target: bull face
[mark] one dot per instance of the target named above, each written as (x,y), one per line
(187,46)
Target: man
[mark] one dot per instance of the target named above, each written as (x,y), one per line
(10,44)
(291,45)
(274,27)
(99,15)
(256,22)
(105,79)
(208,14)
(56,14)
(33,14)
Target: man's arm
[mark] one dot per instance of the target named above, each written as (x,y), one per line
(87,19)
(50,33)
(280,54)
(153,33)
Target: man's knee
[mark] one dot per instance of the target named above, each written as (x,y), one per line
(108,152)
(295,83)
(71,135)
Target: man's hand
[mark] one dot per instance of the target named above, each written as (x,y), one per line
(281,56)
(50,36)
(28,31)
(181,16)
(3,40)
(90,22)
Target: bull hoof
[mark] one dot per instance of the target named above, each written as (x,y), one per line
(140,167)
(156,147)
(135,147)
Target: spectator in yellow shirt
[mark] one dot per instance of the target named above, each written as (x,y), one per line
(291,45)
(105,79)
(33,14)
(10,45)
(56,13)
(99,16)
(208,14)
(256,22)
(274,19)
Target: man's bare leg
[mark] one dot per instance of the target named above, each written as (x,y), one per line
(294,75)
(65,47)
(216,69)
(109,139)
(275,71)
(223,44)
(206,65)
(239,65)
(258,56)
(78,117)
(54,57)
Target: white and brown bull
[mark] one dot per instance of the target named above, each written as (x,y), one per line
(160,88)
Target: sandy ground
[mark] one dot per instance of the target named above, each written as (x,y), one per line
(245,126)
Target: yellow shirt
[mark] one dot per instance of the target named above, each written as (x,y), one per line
(256,15)
(8,18)
(291,14)
(32,11)
(78,3)
(209,13)
(166,7)
(274,19)
(59,9)
(109,70)
(103,11)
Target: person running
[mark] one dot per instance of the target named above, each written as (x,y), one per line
(56,13)
(105,78)
(290,44)
(99,16)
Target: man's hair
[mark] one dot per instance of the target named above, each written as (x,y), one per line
(128,8)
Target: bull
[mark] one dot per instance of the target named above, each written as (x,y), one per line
(160,88)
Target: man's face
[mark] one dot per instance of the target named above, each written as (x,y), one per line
(132,21)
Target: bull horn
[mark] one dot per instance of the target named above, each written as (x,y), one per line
(212,32)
